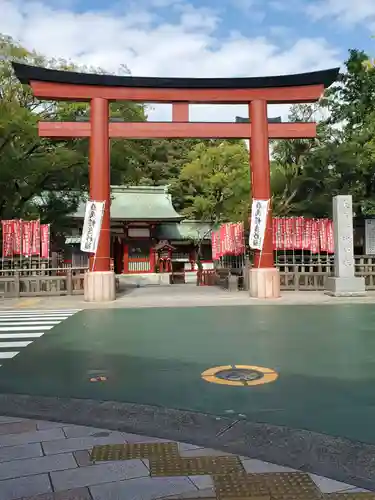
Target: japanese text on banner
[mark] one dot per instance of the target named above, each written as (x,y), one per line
(17,237)
(45,237)
(215,241)
(259,212)
(8,236)
(92,225)
(27,228)
(35,241)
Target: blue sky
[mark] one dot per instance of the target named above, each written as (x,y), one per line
(280,20)
(194,37)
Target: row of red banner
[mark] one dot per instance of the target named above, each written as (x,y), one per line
(298,233)
(25,238)
(289,233)
(228,240)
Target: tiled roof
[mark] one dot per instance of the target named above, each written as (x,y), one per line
(185,230)
(132,203)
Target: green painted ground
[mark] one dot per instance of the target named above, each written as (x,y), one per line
(325,356)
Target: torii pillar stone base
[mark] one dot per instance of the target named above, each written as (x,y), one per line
(344,283)
(264,283)
(100,286)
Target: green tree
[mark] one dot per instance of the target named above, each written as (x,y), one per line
(30,166)
(215,184)
(306,174)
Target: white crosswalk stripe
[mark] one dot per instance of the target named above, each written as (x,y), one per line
(19,323)
(19,329)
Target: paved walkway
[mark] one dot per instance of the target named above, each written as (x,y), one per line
(51,461)
(180,296)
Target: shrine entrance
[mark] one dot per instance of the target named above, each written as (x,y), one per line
(99,90)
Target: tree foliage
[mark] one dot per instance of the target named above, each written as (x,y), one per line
(215,183)
(30,166)
(341,160)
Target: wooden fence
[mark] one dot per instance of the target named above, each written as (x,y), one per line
(304,276)
(313,276)
(39,282)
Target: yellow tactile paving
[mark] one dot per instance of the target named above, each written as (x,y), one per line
(288,485)
(238,487)
(134,450)
(166,466)
(230,480)
(28,303)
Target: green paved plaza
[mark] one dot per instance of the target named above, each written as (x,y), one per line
(324,355)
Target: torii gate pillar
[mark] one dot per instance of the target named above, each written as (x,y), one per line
(264,276)
(100,281)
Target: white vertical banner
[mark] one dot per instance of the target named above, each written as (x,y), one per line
(259,212)
(92,225)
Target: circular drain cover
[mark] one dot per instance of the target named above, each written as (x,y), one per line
(239,374)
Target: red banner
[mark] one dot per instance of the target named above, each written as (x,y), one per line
(288,235)
(330,237)
(275,233)
(239,238)
(35,240)
(323,241)
(8,235)
(45,236)
(231,240)
(280,234)
(225,239)
(215,245)
(306,234)
(298,232)
(17,224)
(27,232)
(315,243)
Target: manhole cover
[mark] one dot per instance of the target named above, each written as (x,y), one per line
(240,375)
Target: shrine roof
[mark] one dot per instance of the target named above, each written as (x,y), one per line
(185,230)
(26,73)
(139,203)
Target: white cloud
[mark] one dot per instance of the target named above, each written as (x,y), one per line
(347,12)
(151,46)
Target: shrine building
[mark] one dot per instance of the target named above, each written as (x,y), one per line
(148,236)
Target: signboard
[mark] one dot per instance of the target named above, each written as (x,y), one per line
(259,211)
(92,225)
(370,236)
(138,232)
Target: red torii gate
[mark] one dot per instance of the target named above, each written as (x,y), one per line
(99,90)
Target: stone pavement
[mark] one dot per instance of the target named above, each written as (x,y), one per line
(180,296)
(42,460)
